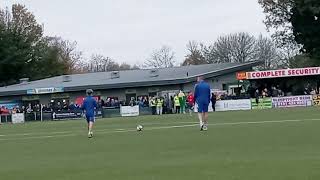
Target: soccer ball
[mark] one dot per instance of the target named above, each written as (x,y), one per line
(139,128)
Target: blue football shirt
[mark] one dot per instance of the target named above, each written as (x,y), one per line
(89,105)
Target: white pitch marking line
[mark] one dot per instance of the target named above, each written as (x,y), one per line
(65,132)
(163,127)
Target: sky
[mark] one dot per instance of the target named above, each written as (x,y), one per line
(130,30)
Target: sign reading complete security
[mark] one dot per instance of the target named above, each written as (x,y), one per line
(280,73)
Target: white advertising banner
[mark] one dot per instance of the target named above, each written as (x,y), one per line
(17,118)
(229,105)
(282,73)
(233,105)
(292,101)
(129,111)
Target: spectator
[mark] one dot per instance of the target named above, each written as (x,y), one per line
(176,104)
(182,102)
(102,103)
(4,110)
(108,103)
(72,107)
(306,91)
(153,105)
(190,100)
(116,103)
(172,108)
(18,109)
(14,110)
(132,102)
(275,92)
(65,105)
(265,93)
(112,103)
(29,108)
(23,109)
(145,102)
(140,102)
(213,101)
(257,95)
(166,104)
(159,105)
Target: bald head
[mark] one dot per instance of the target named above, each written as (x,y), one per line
(199,78)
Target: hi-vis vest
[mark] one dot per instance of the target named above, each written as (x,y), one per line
(176,101)
(160,103)
(153,102)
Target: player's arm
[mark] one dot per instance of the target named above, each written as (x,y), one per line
(209,93)
(95,104)
(196,93)
(83,107)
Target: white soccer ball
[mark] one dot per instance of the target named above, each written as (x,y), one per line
(139,128)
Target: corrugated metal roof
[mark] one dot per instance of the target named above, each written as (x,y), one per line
(129,77)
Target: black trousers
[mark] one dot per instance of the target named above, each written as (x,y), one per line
(165,110)
(214,106)
(177,109)
(154,110)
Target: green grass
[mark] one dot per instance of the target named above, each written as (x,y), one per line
(288,150)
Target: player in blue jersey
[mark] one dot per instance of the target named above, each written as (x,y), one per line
(202,97)
(89,106)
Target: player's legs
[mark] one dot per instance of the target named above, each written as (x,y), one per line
(200,115)
(90,126)
(190,109)
(200,120)
(205,120)
(161,110)
(205,116)
(182,109)
(158,110)
(90,121)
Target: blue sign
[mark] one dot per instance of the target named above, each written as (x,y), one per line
(9,104)
(49,90)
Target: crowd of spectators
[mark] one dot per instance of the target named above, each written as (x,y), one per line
(165,104)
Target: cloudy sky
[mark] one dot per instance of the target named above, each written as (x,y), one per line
(129,30)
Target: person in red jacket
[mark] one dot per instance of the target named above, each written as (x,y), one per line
(190,100)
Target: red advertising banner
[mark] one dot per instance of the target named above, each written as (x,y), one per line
(79,100)
(241,75)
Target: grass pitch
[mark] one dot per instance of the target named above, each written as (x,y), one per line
(272,144)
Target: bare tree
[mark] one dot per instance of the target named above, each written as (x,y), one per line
(162,58)
(239,47)
(195,56)
(67,52)
(124,66)
(267,52)
(100,63)
(289,54)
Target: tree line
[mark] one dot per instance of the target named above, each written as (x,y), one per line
(26,52)
(295,41)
